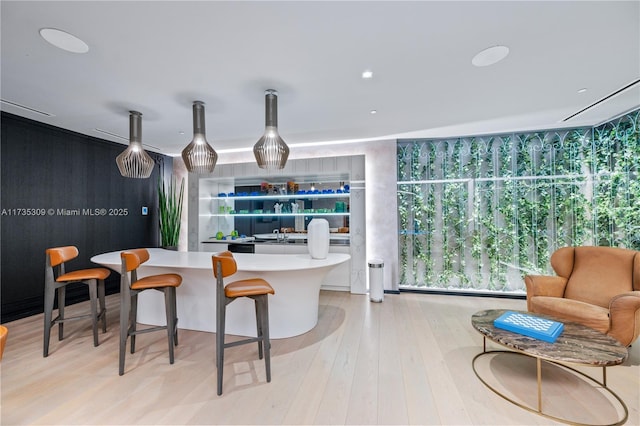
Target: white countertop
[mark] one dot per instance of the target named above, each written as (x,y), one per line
(214,240)
(301,236)
(246,261)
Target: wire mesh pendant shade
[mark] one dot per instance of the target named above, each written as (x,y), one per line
(271,151)
(134,162)
(199,156)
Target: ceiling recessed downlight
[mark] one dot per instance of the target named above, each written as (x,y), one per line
(63,40)
(367,74)
(490,56)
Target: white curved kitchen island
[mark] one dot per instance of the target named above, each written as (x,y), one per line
(293,310)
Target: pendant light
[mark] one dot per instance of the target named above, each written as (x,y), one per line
(270,151)
(198,156)
(134,162)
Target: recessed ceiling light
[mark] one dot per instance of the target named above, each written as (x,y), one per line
(584,89)
(64,40)
(367,74)
(490,56)
(373,111)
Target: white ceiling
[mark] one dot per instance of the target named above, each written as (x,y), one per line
(157,57)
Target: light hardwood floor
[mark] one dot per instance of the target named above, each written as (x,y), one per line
(404,361)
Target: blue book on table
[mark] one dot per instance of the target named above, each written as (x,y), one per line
(529,325)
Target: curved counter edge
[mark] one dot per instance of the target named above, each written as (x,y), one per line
(293,309)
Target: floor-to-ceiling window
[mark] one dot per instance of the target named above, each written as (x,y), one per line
(478,213)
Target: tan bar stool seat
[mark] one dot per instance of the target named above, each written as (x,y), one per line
(130,287)
(257,289)
(56,278)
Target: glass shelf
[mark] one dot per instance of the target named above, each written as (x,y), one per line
(279,197)
(273,214)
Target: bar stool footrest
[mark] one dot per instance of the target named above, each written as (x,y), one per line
(243,342)
(58,320)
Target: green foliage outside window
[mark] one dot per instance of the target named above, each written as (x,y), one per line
(478,213)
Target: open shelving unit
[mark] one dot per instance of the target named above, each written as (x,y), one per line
(227,205)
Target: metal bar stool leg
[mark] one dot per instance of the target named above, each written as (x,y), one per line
(265,335)
(103,306)
(220,327)
(133,320)
(256,303)
(49,298)
(93,299)
(169,296)
(62,291)
(125,307)
(175,316)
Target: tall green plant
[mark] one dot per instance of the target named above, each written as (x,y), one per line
(170,204)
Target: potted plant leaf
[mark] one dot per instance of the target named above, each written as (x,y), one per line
(170,204)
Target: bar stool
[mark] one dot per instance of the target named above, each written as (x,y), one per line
(57,279)
(3,339)
(130,287)
(257,289)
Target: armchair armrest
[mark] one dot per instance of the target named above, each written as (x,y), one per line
(544,285)
(624,314)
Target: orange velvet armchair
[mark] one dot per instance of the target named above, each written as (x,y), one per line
(595,286)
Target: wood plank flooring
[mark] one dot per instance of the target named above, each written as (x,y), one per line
(404,361)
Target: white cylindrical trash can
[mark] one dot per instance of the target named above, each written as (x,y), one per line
(376,280)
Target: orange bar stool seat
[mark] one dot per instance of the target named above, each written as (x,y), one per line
(56,278)
(257,289)
(130,287)
(3,339)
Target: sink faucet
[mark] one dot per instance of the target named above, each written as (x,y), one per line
(280,236)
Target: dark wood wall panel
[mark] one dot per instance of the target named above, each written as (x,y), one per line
(44,167)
